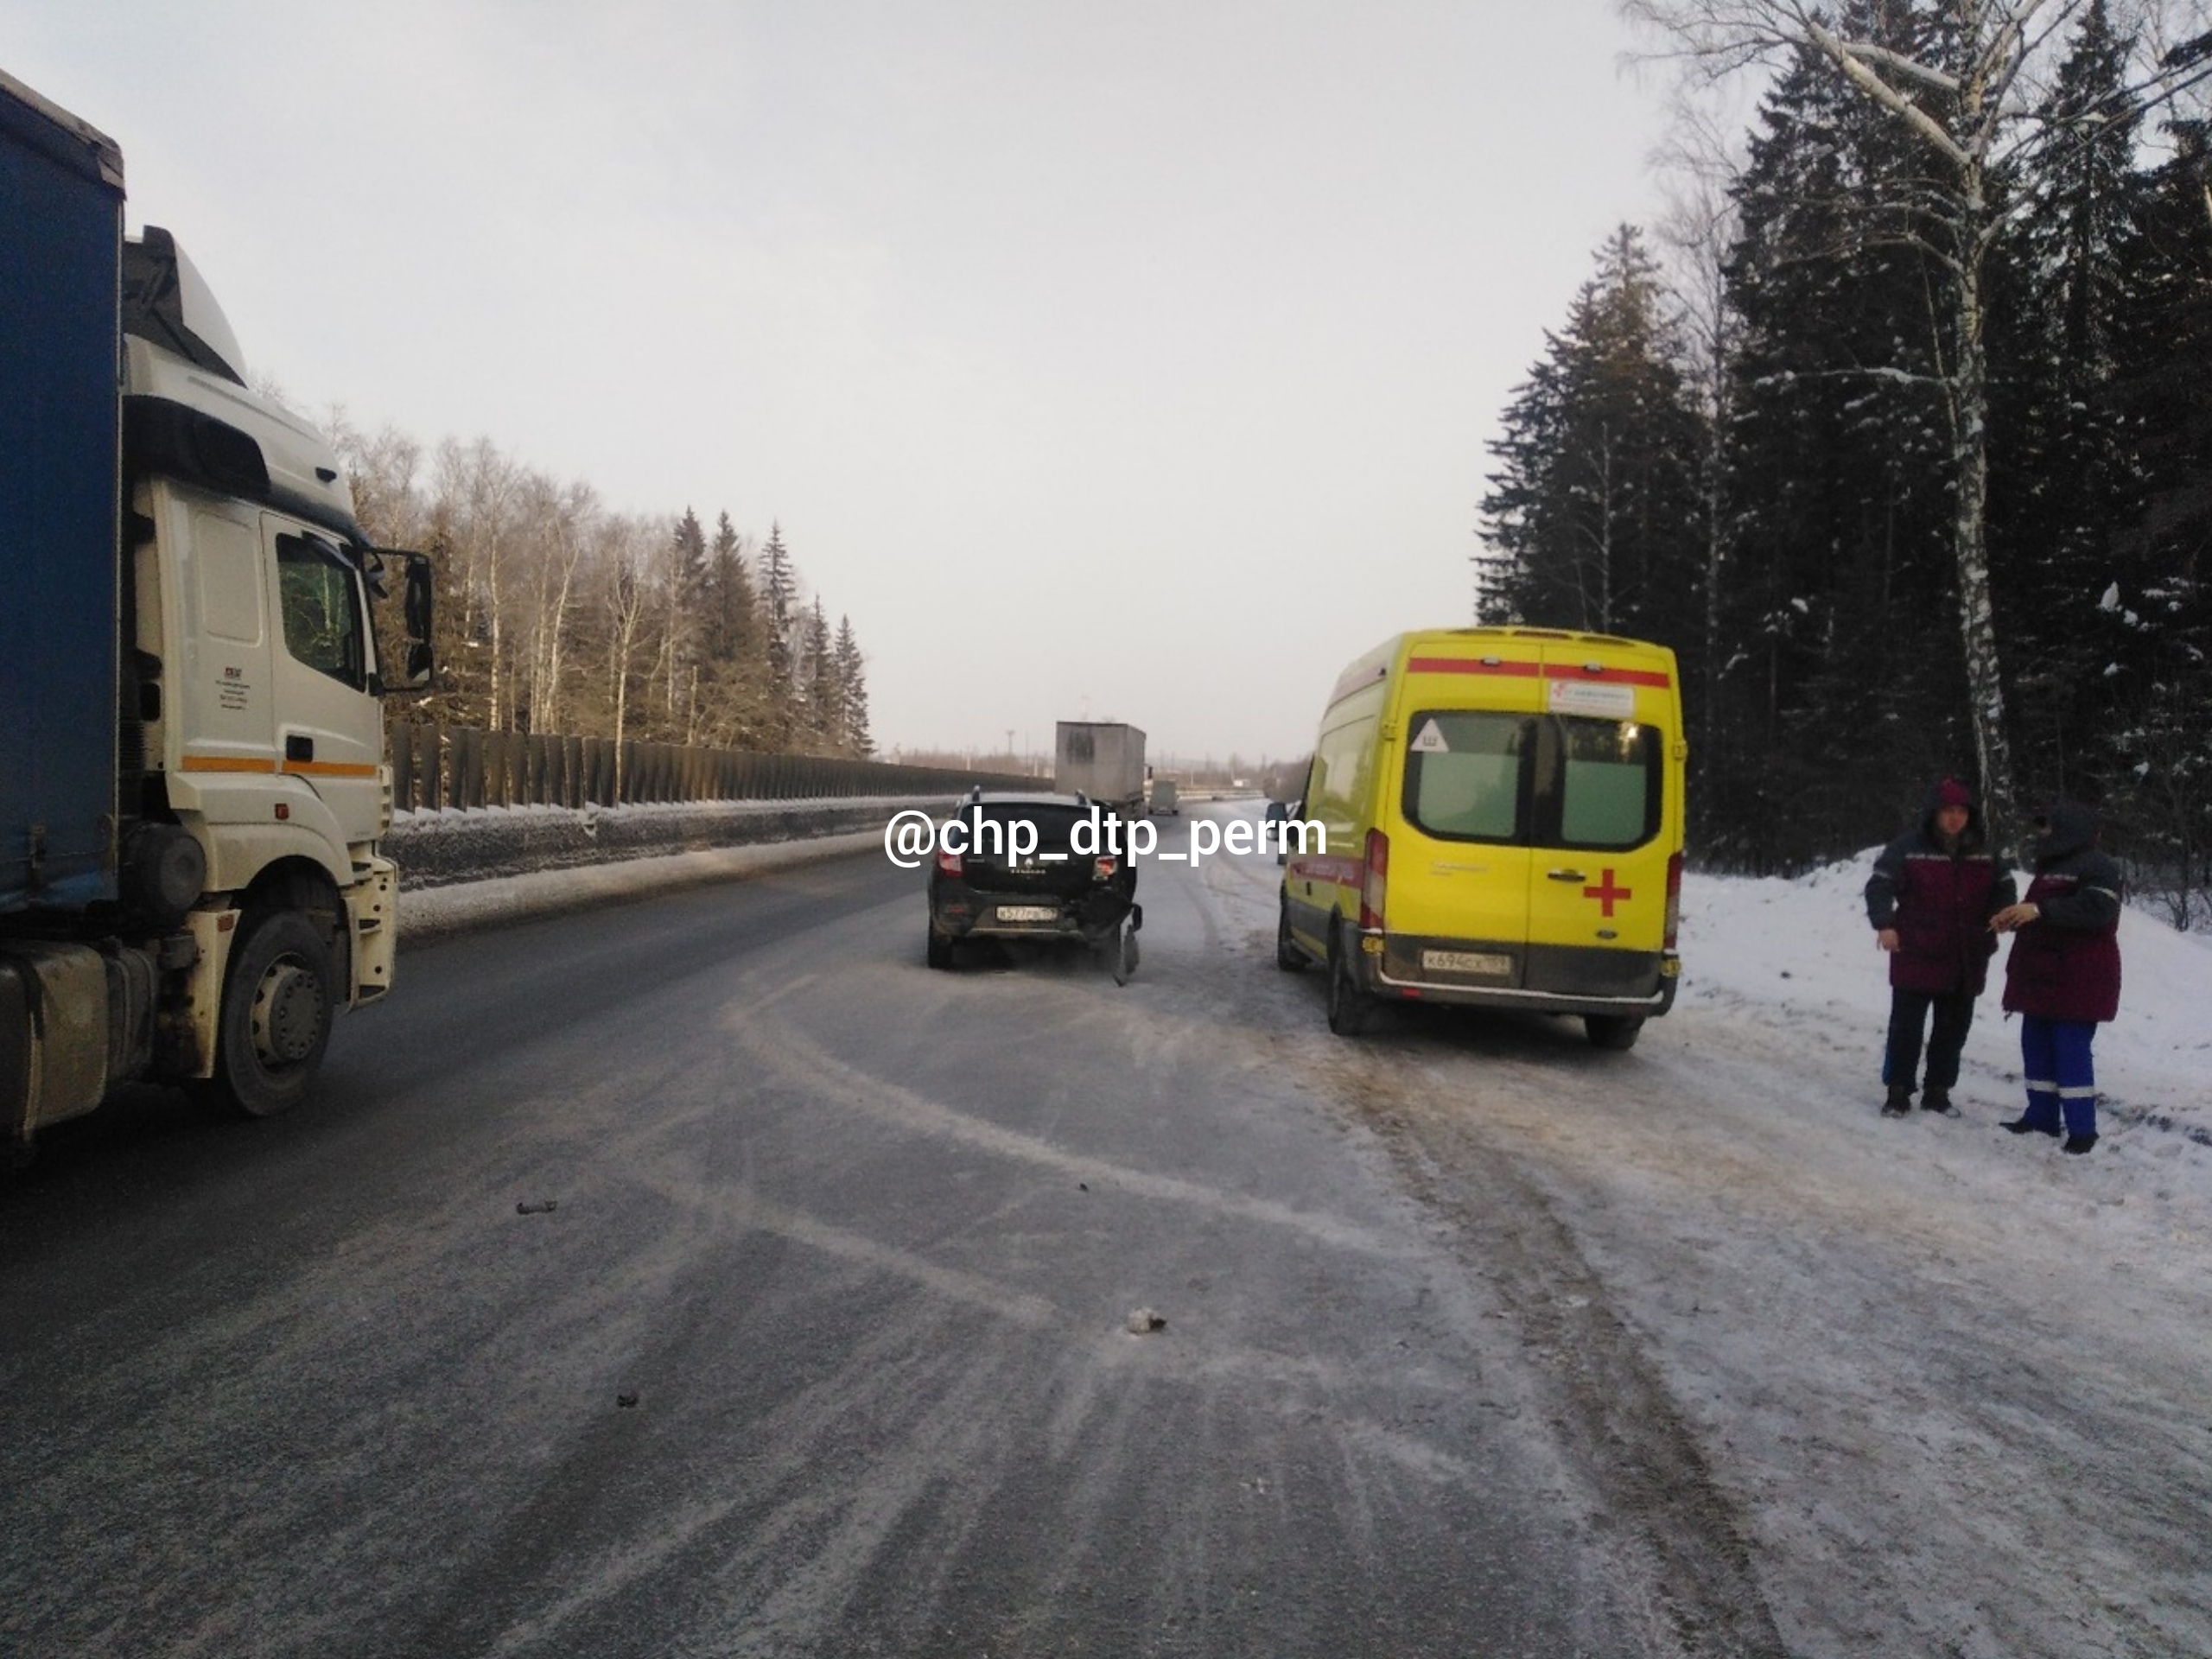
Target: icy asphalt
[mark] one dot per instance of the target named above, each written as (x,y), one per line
(1474,1340)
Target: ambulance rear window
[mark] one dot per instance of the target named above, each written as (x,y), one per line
(1463,773)
(1533,781)
(1610,780)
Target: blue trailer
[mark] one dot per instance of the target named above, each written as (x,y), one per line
(61,273)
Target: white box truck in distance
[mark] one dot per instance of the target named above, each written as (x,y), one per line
(1104,760)
(192,783)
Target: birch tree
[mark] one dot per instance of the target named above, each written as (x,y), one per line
(1698,230)
(484,486)
(626,550)
(562,520)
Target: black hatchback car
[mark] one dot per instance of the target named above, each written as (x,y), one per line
(1055,867)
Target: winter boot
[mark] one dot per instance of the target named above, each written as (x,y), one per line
(1900,1102)
(1933,1099)
(2022,1126)
(2079,1143)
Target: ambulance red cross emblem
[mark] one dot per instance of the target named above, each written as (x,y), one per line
(1605,893)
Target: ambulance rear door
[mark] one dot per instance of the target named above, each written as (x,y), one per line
(1458,891)
(1597,895)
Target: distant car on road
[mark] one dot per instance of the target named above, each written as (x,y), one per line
(1280,812)
(1163,797)
(1044,866)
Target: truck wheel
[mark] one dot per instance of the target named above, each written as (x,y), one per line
(1349,1006)
(1289,957)
(1616,1031)
(940,950)
(276,1017)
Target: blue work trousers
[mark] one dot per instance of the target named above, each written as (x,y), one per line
(2061,1076)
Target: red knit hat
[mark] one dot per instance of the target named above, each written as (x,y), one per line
(1952,792)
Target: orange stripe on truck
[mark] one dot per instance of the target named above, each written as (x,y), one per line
(297,768)
(227,763)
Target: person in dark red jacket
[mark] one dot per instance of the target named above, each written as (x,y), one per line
(1931,899)
(2063,978)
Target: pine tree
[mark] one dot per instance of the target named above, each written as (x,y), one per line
(2064,473)
(853,738)
(778,599)
(680,666)
(821,717)
(737,671)
(1845,690)
(2156,630)
(1590,518)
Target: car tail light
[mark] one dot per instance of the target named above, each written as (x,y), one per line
(951,863)
(1673,901)
(1104,868)
(1373,880)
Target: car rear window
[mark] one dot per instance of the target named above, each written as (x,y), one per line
(1544,780)
(1055,824)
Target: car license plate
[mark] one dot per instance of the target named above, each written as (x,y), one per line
(1466,961)
(1029,912)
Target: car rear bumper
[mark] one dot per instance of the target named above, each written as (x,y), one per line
(1083,921)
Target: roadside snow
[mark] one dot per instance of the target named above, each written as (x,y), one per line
(1958,1382)
(1954,1385)
(1804,948)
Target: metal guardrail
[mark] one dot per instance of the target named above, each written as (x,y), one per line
(435,766)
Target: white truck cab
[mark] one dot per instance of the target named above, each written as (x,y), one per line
(190,685)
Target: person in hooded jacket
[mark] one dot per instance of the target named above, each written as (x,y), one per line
(2063,978)
(1931,899)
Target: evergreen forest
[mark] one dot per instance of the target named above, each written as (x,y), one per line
(1900,433)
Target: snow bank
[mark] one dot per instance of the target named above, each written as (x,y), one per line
(493,865)
(1805,946)
(437,849)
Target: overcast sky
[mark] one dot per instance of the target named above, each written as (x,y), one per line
(1133,360)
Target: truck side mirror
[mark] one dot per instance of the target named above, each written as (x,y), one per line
(416,608)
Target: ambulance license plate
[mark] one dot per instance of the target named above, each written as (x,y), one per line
(1466,961)
(1029,912)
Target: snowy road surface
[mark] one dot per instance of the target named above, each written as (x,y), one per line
(705,1274)
(1955,1386)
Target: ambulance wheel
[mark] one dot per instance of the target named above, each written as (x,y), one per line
(275,1022)
(1289,957)
(1349,1006)
(1616,1031)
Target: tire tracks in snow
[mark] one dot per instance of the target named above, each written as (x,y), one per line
(1608,1401)
(1674,1526)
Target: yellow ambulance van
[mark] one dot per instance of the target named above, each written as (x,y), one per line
(1502,814)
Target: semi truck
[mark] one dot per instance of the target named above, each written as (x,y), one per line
(193,783)
(1104,760)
